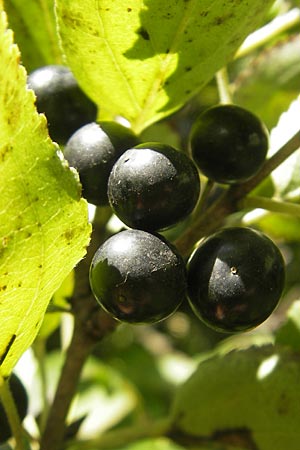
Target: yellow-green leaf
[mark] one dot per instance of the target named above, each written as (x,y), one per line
(33,23)
(144,59)
(44,226)
(59,301)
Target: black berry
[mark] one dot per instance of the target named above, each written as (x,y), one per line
(235,279)
(153,186)
(138,277)
(21,400)
(228,143)
(60,98)
(93,150)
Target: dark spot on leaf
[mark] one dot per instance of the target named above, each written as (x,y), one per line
(284,405)
(94,32)
(187,92)
(40,266)
(221,19)
(129,9)
(5,241)
(3,288)
(20,284)
(5,151)
(204,13)
(188,69)
(71,21)
(143,33)
(69,234)
(235,40)
(2,250)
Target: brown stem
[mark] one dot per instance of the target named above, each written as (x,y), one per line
(77,353)
(228,203)
(82,343)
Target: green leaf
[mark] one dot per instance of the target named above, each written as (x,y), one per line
(35,31)
(269,82)
(250,397)
(289,332)
(153,444)
(44,226)
(102,388)
(280,226)
(285,180)
(64,292)
(144,59)
(286,177)
(160,443)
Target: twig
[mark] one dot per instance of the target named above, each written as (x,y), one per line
(76,356)
(228,203)
(270,204)
(204,196)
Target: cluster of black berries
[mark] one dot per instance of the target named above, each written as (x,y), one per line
(235,277)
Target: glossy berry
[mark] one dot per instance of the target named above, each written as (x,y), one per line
(60,98)
(153,186)
(228,143)
(93,150)
(138,277)
(21,400)
(235,279)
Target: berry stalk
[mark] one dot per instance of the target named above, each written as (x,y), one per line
(229,202)
(223,86)
(270,204)
(76,356)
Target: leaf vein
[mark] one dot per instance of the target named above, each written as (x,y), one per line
(115,59)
